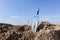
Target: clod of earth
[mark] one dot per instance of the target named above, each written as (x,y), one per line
(45,31)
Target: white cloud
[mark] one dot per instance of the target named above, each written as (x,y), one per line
(50,18)
(15,17)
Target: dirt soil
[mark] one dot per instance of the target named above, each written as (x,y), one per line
(45,31)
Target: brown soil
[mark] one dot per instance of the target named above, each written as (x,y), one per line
(45,31)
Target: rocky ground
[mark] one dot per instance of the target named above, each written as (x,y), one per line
(45,31)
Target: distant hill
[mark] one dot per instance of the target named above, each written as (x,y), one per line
(6,24)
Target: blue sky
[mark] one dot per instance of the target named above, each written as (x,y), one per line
(19,11)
